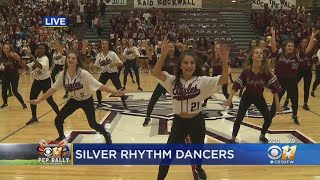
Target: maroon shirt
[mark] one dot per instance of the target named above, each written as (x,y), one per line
(255,83)
(170,65)
(285,67)
(216,66)
(305,60)
(10,64)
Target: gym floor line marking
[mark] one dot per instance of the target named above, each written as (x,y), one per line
(14,132)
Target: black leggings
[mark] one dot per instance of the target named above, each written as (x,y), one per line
(157,93)
(317,80)
(11,78)
(56,69)
(291,87)
(104,77)
(36,88)
(194,127)
(246,101)
(307,76)
(127,68)
(71,106)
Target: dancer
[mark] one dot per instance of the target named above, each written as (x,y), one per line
(255,77)
(80,83)
(188,89)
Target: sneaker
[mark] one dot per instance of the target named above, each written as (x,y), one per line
(312,94)
(140,89)
(306,107)
(204,104)
(65,96)
(125,106)
(32,120)
(98,106)
(200,173)
(295,120)
(4,106)
(24,106)
(263,140)
(146,121)
(108,138)
(231,141)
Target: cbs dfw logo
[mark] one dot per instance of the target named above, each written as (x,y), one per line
(53,152)
(283,155)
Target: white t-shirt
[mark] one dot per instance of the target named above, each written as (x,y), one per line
(104,62)
(80,87)
(189,98)
(40,74)
(58,59)
(130,56)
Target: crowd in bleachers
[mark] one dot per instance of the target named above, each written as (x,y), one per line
(296,23)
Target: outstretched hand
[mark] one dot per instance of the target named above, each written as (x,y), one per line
(224,53)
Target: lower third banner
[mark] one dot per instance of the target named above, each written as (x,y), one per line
(208,154)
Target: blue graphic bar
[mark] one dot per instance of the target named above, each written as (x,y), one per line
(208,154)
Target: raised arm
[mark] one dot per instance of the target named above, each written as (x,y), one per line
(312,41)
(158,67)
(273,41)
(224,54)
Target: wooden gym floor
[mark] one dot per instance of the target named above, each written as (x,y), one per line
(13,130)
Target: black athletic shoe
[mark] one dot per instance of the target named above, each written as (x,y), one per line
(306,107)
(231,141)
(200,173)
(32,120)
(263,140)
(312,94)
(125,106)
(146,121)
(295,120)
(140,89)
(3,106)
(24,106)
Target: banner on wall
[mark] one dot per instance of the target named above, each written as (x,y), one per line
(273,4)
(168,4)
(116,2)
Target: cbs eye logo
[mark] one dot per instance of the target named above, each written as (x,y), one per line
(285,153)
(52,151)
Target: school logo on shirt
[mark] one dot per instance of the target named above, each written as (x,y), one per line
(181,94)
(74,86)
(105,62)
